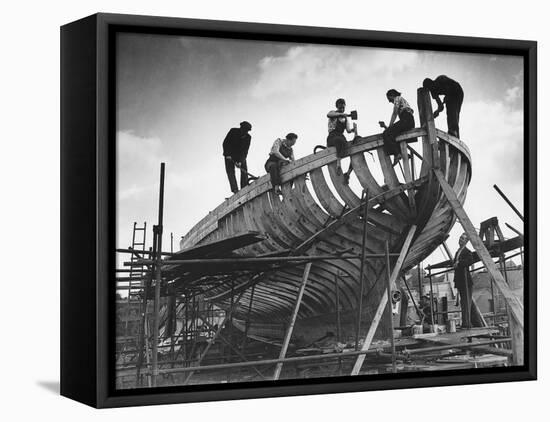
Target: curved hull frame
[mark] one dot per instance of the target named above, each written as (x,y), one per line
(291,221)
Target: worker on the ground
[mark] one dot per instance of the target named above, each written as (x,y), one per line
(281,153)
(338,122)
(463,281)
(404,111)
(235,151)
(454,96)
(425,307)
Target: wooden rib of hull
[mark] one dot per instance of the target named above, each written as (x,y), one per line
(308,204)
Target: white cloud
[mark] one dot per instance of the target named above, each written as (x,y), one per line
(312,68)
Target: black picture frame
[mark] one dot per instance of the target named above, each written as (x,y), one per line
(88,198)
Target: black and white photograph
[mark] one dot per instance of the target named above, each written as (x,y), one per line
(275,211)
(293,210)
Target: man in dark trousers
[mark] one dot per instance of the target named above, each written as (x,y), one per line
(463,282)
(235,151)
(281,153)
(454,96)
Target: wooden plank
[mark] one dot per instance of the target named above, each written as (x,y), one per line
(389,290)
(288,334)
(515,307)
(222,247)
(430,138)
(455,142)
(383,301)
(327,199)
(346,193)
(368,182)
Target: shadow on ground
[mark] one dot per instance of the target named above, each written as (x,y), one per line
(51,386)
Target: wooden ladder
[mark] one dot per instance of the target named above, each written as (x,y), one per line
(139,237)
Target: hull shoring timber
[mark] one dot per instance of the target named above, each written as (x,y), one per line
(298,221)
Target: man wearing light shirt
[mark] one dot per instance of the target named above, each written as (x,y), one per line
(281,153)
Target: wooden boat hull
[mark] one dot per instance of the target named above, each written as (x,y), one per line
(298,222)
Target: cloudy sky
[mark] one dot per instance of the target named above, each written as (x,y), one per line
(178,96)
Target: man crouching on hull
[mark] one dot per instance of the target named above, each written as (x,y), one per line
(281,153)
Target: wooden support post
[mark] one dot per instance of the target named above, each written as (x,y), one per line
(509,202)
(516,231)
(362,269)
(247,323)
(413,170)
(288,334)
(389,290)
(383,301)
(408,175)
(432,328)
(515,307)
(447,251)
(338,321)
(420,279)
(228,358)
(158,277)
(186,326)
(429,142)
(147,348)
(142,332)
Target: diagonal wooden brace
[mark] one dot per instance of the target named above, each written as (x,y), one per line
(288,334)
(384,301)
(515,307)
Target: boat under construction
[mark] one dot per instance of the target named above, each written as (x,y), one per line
(316,281)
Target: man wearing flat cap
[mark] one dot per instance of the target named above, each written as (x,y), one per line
(235,151)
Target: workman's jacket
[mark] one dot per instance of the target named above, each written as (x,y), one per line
(236,145)
(463,259)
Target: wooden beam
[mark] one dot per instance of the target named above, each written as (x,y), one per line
(323,356)
(158,278)
(520,234)
(515,307)
(408,175)
(288,334)
(362,270)
(509,202)
(429,141)
(389,290)
(383,301)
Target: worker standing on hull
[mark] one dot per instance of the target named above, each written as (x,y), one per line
(281,153)
(454,96)
(338,122)
(235,151)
